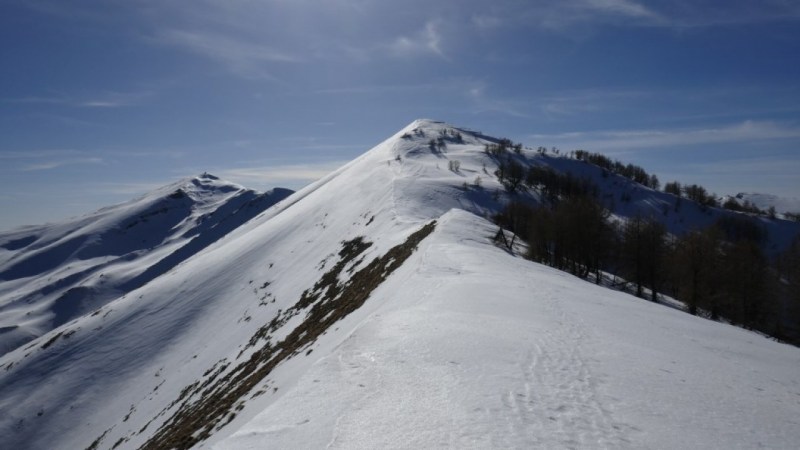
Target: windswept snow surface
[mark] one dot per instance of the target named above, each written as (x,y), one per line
(473,348)
(463,345)
(54,273)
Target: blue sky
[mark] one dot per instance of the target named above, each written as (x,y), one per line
(102,100)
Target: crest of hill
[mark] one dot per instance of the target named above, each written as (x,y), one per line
(248,324)
(435,160)
(53,273)
(782,205)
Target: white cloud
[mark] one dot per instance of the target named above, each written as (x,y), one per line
(36,100)
(694,13)
(775,175)
(565,108)
(114,99)
(459,87)
(569,15)
(276,175)
(101,104)
(245,57)
(748,131)
(592,100)
(626,8)
(167,153)
(486,21)
(41,160)
(372,89)
(106,99)
(483,102)
(747,166)
(32,154)
(122,189)
(426,41)
(54,164)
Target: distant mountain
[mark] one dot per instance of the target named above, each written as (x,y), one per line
(782,205)
(53,273)
(372,310)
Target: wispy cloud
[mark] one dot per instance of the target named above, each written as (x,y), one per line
(748,131)
(107,99)
(483,102)
(773,174)
(164,153)
(624,8)
(372,89)
(475,93)
(569,15)
(700,14)
(458,90)
(245,57)
(102,104)
(275,175)
(47,159)
(744,166)
(54,164)
(426,41)
(36,100)
(64,10)
(590,101)
(486,21)
(32,154)
(127,189)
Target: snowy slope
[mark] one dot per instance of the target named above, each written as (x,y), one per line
(54,273)
(765,201)
(161,331)
(472,348)
(626,199)
(369,310)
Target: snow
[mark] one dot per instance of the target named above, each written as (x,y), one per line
(472,348)
(765,201)
(54,273)
(464,345)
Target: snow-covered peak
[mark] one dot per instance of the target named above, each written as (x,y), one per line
(370,309)
(763,201)
(52,273)
(422,123)
(208,176)
(204,187)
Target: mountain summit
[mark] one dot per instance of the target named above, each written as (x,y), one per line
(54,273)
(371,310)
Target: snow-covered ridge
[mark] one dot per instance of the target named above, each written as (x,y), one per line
(472,348)
(764,202)
(53,273)
(276,335)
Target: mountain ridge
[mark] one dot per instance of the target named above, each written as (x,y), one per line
(540,353)
(70,268)
(764,201)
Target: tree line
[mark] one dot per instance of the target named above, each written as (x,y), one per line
(694,192)
(720,272)
(630,171)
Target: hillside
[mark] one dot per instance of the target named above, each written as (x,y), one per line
(370,309)
(53,273)
(782,205)
(471,348)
